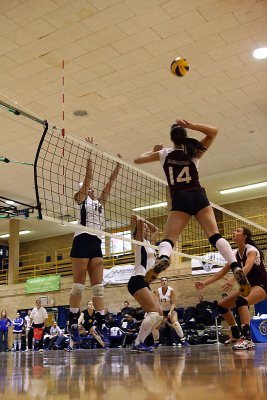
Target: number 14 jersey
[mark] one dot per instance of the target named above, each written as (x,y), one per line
(180,170)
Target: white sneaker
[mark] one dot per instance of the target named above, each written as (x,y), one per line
(250,344)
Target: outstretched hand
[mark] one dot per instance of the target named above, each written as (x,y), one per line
(90,140)
(158,147)
(228,286)
(200,285)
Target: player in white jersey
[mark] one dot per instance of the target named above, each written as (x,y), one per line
(86,254)
(166,296)
(145,257)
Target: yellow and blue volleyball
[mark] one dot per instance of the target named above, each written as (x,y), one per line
(180,66)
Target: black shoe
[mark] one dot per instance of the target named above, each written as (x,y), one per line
(242,281)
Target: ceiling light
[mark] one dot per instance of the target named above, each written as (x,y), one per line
(260,53)
(241,188)
(151,206)
(24,232)
(80,113)
(6,235)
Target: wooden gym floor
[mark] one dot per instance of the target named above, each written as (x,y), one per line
(210,372)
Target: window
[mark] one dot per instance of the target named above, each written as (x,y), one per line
(118,246)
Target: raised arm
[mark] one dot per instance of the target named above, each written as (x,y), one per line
(149,156)
(209,131)
(139,222)
(106,192)
(82,194)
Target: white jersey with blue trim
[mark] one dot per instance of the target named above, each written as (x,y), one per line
(90,214)
(144,259)
(165,299)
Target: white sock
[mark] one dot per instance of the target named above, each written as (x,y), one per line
(178,329)
(226,251)
(15,344)
(165,249)
(74,310)
(19,342)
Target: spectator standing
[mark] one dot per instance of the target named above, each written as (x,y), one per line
(38,320)
(28,331)
(17,332)
(5,322)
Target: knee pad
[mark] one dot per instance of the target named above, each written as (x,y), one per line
(241,301)
(98,290)
(77,289)
(222,310)
(154,318)
(214,238)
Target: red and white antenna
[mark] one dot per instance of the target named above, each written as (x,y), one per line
(63,125)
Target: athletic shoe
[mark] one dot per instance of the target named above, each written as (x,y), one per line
(185,343)
(69,348)
(231,340)
(243,344)
(141,348)
(242,281)
(250,344)
(75,336)
(160,266)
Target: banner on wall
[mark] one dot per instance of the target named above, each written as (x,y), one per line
(117,275)
(207,267)
(42,284)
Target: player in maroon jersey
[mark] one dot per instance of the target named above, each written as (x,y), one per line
(180,164)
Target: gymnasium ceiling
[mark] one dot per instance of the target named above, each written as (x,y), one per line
(117,55)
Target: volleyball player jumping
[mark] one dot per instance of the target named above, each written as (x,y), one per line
(180,165)
(86,254)
(145,257)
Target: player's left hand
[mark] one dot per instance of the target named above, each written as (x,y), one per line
(158,147)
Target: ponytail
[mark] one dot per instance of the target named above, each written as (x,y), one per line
(179,137)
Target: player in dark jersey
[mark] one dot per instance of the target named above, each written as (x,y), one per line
(180,165)
(88,319)
(251,259)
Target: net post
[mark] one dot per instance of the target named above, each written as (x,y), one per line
(38,204)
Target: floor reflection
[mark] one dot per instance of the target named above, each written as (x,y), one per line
(200,372)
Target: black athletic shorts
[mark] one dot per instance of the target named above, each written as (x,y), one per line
(263,286)
(165,313)
(86,246)
(190,201)
(135,283)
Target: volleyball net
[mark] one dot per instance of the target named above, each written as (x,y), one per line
(60,167)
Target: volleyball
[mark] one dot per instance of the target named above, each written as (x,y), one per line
(179,67)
